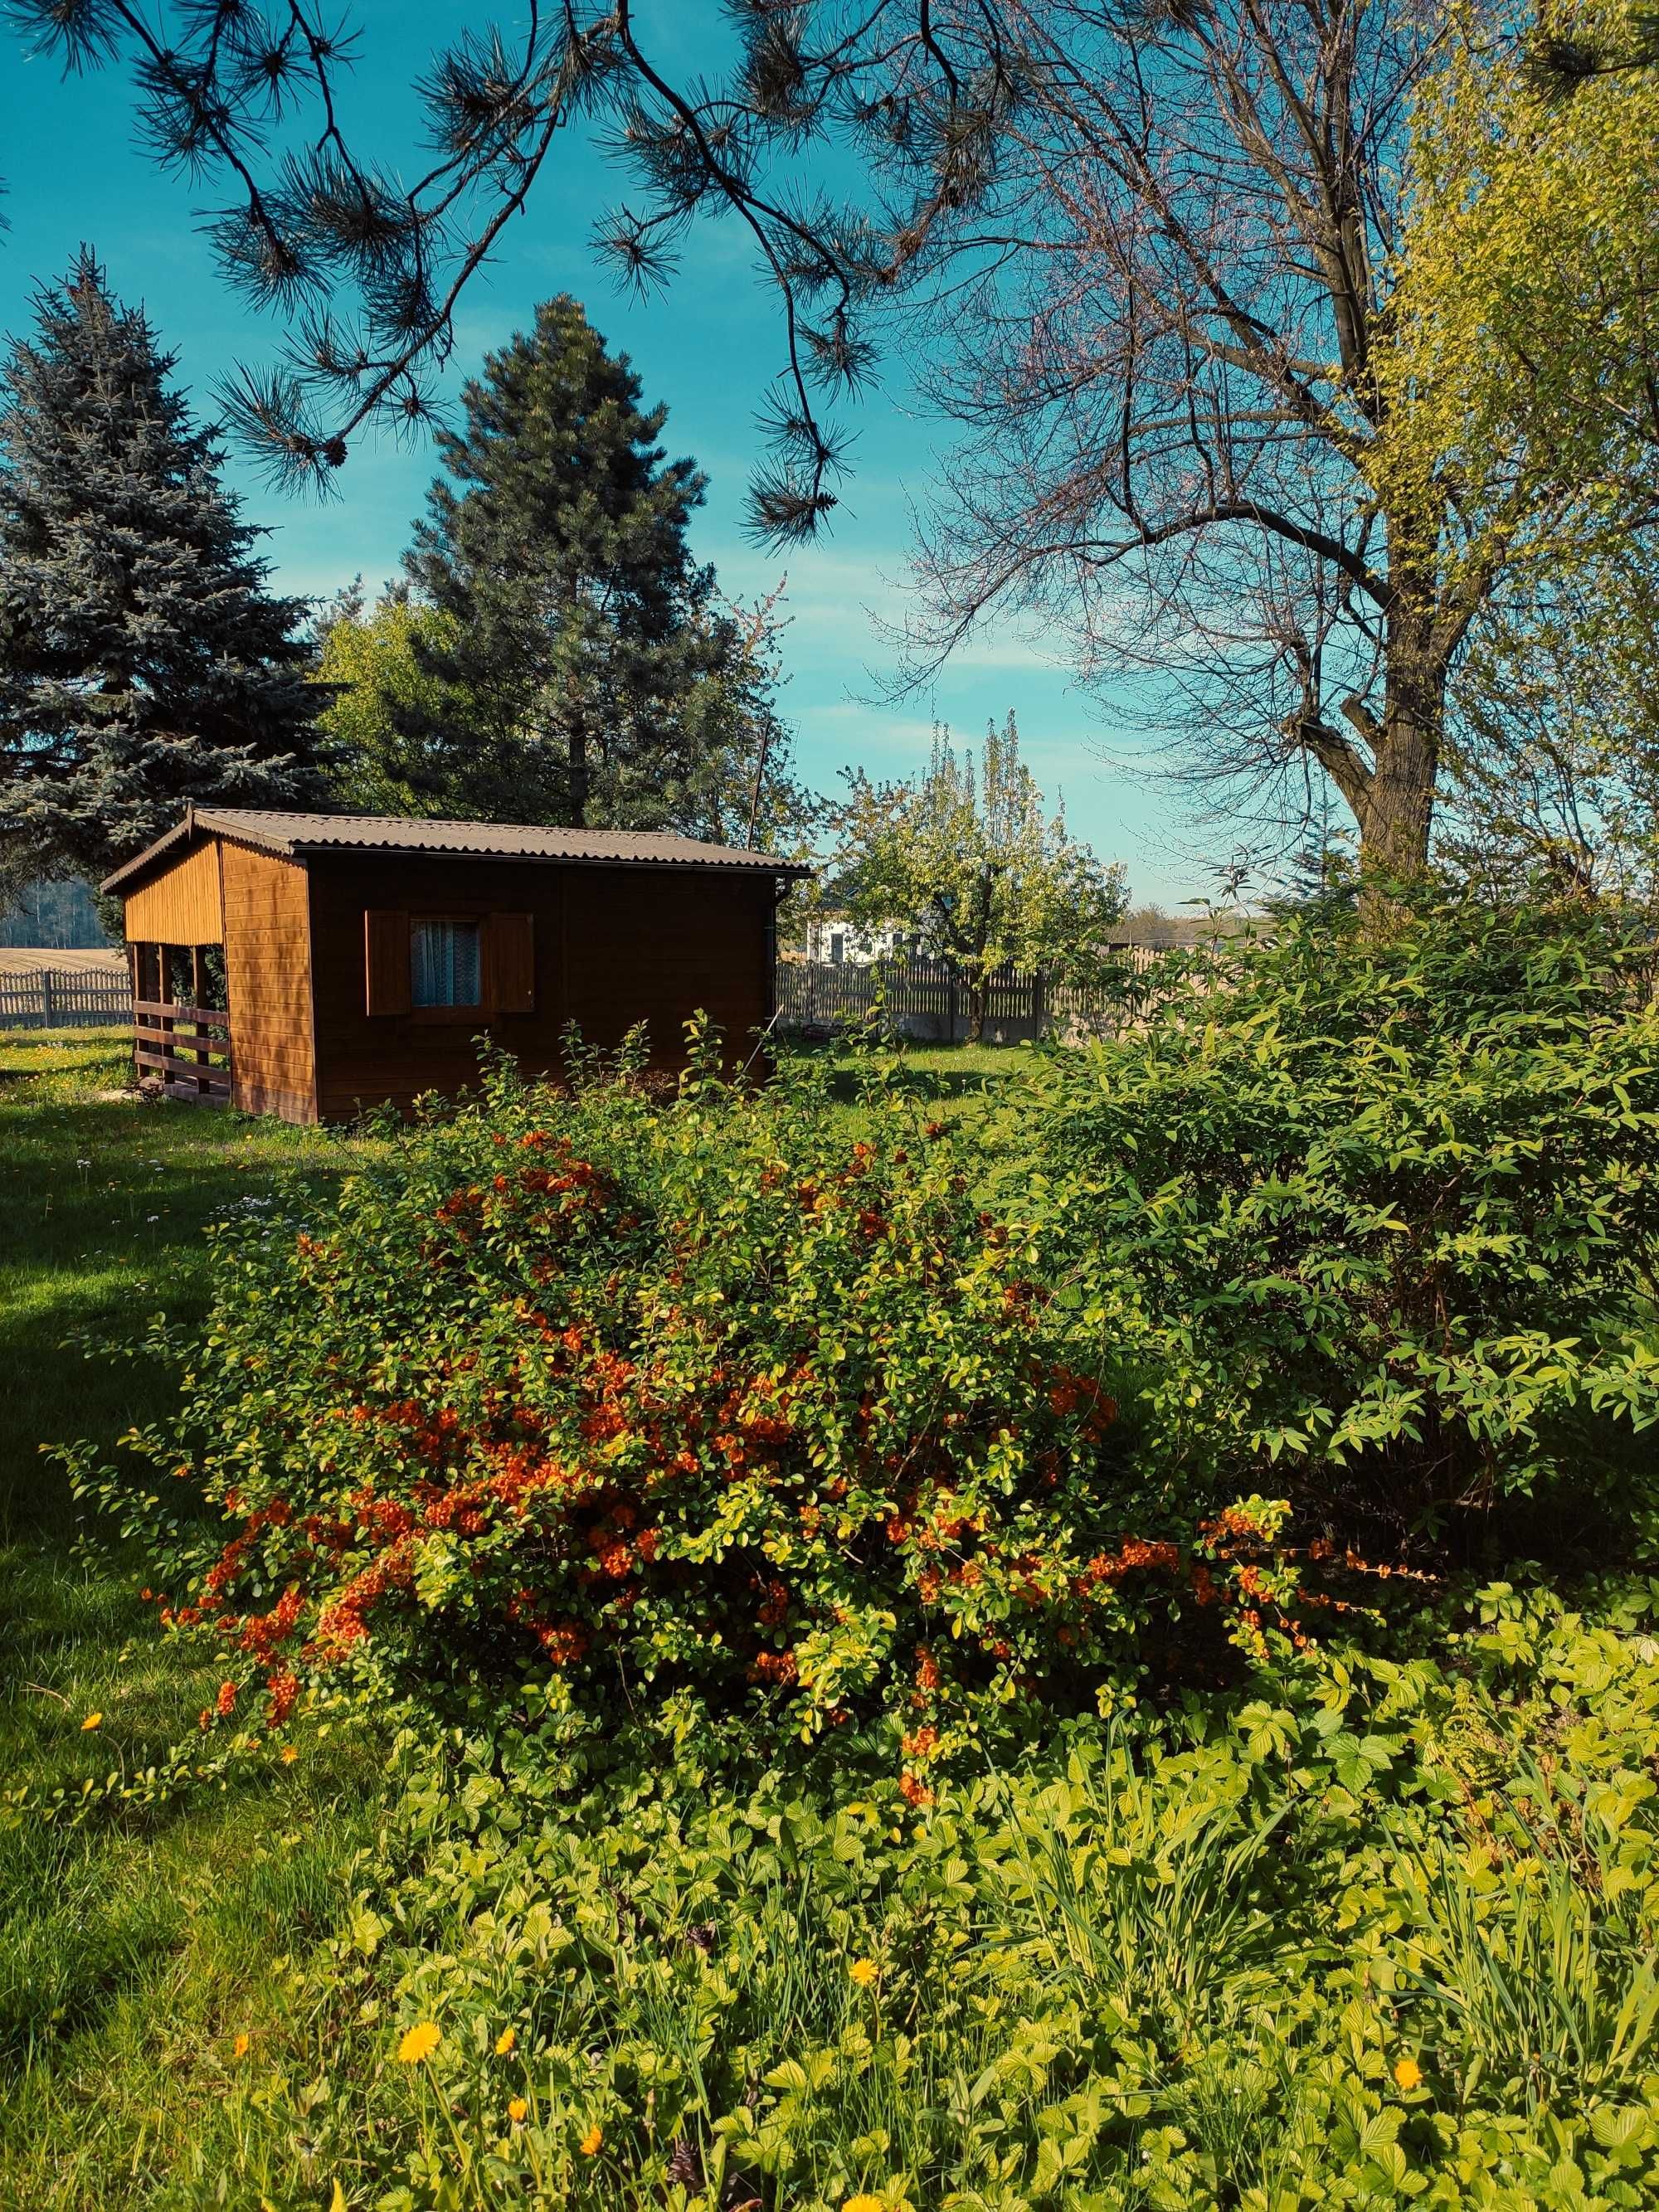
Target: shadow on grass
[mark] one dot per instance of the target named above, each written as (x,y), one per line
(102,1206)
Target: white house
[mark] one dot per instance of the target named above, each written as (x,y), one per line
(832,938)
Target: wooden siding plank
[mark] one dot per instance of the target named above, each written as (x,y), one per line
(267,970)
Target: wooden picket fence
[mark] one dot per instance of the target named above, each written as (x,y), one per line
(63,998)
(927,999)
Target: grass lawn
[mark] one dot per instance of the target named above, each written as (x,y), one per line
(132,1953)
(952,1070)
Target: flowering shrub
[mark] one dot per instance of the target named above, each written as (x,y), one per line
(721,1395)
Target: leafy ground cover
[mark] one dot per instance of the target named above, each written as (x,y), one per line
(939,1659)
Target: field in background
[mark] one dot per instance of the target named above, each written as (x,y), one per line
(93,960)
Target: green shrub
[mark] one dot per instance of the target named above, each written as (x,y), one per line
(1382,1219)
(709,1396)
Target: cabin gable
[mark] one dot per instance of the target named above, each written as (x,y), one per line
(180,903)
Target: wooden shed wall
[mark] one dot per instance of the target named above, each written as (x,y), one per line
(268,973)
(181,904)
(611,946)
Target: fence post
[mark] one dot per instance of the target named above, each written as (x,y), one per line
(1036,1005)
(198,991)
(136,981)
(949,1002)
(48,1006)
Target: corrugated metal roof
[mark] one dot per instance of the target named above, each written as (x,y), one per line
(299,833)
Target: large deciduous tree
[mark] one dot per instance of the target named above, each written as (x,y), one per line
(142,662)
(965,859)
(1247,404)
(1160,259)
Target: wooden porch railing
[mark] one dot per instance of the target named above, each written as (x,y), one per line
(181,1044)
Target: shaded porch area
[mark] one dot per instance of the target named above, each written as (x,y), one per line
(181,1022)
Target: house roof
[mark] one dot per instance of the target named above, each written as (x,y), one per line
(297,835)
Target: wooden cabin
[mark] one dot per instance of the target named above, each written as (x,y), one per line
(311,965)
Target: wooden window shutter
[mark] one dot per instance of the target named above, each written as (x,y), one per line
(385,961)
(509,963)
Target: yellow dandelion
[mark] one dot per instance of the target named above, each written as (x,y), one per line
(505,2041)
(864,1971)
(516,2109)
(864,2203)
(1407,2072)
(290,1753)
(590,2142)
(420,2042)
(241,2046)
(92,1721)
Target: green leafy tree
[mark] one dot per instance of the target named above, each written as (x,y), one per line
(966,858)
(565,607)
(1553,779)
(142,661)
(379,689)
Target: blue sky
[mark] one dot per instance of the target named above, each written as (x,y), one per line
(708,349)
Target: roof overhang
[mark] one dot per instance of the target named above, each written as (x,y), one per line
(247,827)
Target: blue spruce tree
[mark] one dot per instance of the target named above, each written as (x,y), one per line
(142,661)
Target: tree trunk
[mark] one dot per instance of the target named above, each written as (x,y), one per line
(577,743)
(1393,793)
(976,992)
(1399,807)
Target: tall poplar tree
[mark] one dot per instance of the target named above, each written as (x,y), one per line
(570,613)
(143,663)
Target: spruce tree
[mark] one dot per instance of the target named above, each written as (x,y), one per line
(571,615)
(142,662)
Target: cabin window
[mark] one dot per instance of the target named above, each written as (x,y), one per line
(445,966)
